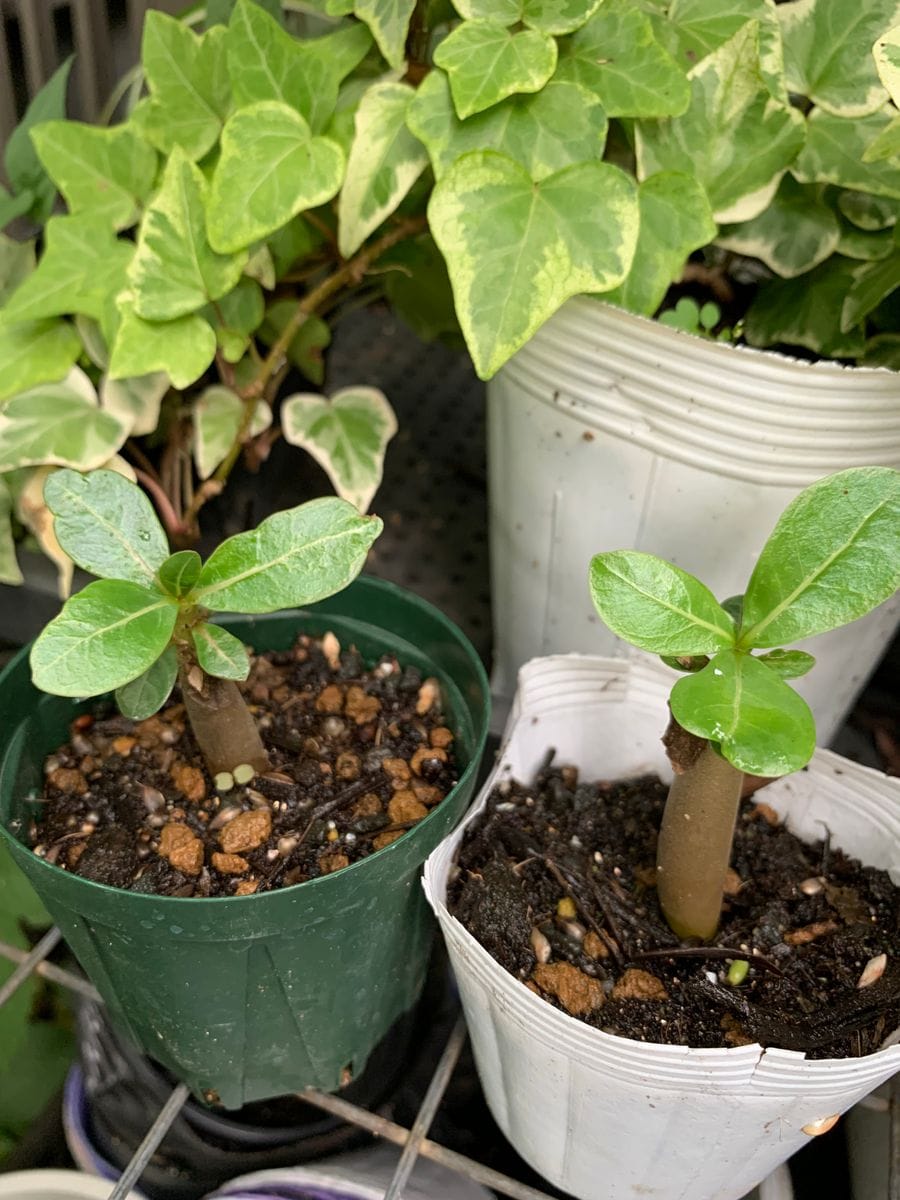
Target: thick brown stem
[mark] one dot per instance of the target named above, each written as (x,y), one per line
(695,844)
(225,731)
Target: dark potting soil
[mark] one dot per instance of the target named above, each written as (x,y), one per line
(556,881)
(358,756)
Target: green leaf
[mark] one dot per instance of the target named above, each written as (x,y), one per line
(293,241)
(835,153)
(180,572)
(617,57)
(828,52)
(16,264)
(346,434)
(389,22)
(147,694)
(305,349)
(236,316)
(561,125)
(10,571)
(486,63)
(385,161)
(738,139)
(758,723)
(36,517)
(885,145)
(183,348)
(271,168)
(220,653)
(36,352)
(293,558)
(55,423)
(108,173)
(516,249)
(700,27)
(218,12)
(218,414)
(106,635)
(135,401)
(789,664)
(92,340)
(14,206)
(417,287)
(190,92)
(261,266)
(868,212)
(82,265)
(883,351)
(806,311)
(794,234)
(106,525)
(23,167)
(865,247)
(675,220)
(657,606)
(833,555)
(872,284)
(887,62)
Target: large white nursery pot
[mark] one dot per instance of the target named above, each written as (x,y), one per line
(600,1115)
(608,430)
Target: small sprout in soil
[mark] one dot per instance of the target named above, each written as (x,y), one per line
(833,556)
(738,972)
(873,971)
(145,622)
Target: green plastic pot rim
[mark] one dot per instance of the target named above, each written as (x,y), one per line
(310,886)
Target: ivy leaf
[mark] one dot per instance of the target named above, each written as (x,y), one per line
(36,517)
(486,63)
(657,606)
(549,16)
(16,264)
(182,348)
(92,340)
(218,414)
(828,52)
(675,220)
(135,401)
(35,352)
(887,62)
(883,351)
(789,664)
(14,206)
(865,247)
(147,694)
(738,139)
(23,167)
(868,212)
(794,234)
(190,92)
(180,572)
(236,317)
(389,22)
(516,249)
(418,289)
(385,161)
(271,168)
(833,555)
(617,57)
(806,311)
(872,284)
(293,558)
(106,635)
(261,267)
(305,349)
(55,423)
(561,125)
(291,242)
(218,12)
(758,723)
(106,525)
(108,173)
(346,434)
(702,26)
(885,144)
(82,264)
(220,653)
(10,572)
(835,153)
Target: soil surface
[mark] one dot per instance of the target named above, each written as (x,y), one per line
(556,880)
(358,756)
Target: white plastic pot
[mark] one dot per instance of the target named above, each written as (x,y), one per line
(55,1185)
(582,1106)
(609,431)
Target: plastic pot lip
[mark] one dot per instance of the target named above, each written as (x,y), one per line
(310,887)
(19,1184)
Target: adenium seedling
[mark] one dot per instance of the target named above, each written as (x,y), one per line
(145,621)
(833,555)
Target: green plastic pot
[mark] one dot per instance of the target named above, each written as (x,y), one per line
(255,996)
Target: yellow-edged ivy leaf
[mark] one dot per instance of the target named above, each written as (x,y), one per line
(218,414)
(806,311)
(835,153)
(700,27)
(486,62)
(220,653)
(10,571)
(135,401)
(887,62)
(236,316)
(147,694)
(862,245)
(55,423)
(873,283)
(794,234)
(183,348)
(17,261)
(24,169)
(388,21)
(35,352)
(869,212)
(885,144)
(308,343)
(549,16)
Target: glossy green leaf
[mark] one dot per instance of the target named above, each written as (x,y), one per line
(384,162)
(833,555)
(55,423)
(106,635)
(806,311)
(108,173)
(516,250)
(271,168)
(135,401)
(16,263)
(794,234)
(869,212)
(485,63)
(190,93)
(789,664)
(106,525)
(873,283)
(759,723)
(701,26)
(389,22)
(737,138)
(292,559)
(561,125)
(218,414)
(675,220)
(23,167)
(835,153)
(182,348)
(307,344)
(82,265)
(147,694)
(35,352)
(180,572)
(657,606)
(617,57)
(347,434)
(828,52)
(220,653)
(10,572)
